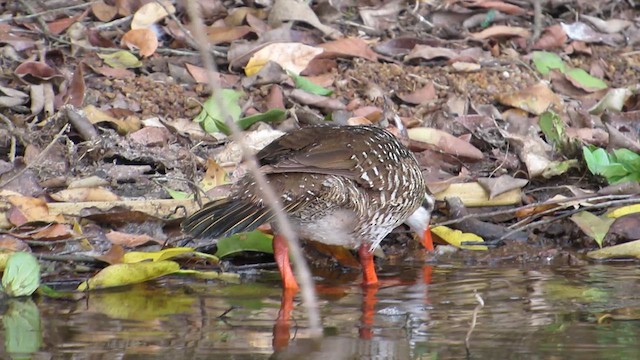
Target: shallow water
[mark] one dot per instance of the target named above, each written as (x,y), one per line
(419,312)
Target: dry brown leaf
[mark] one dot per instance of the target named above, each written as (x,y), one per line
(292,57)
(123,126)
(129,240)
(11,243)
(446,142)
(535,99)
(421,96)
(103,12)
(349,47)
(238,16)
(26,209)
(35,72)
(430,52)
(54,232)
(507,8)
(382,17)
(116,73)
(76,91)
(227,34)
(84,194)
(115,255)
(553,37)
(199,74)
(532,151)
(56,27)
(502,31)
(150,136)
(150,13)
(319,101)
(143,39)
(502,184)
(293,10)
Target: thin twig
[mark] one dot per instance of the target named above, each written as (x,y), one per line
(529,206)
(302,269)
(473,319)
(564,206)
(39,19)
(69,258)
(47,12)
(114,23)
(567,214)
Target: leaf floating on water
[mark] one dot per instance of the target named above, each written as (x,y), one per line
(127,274)
(21,277)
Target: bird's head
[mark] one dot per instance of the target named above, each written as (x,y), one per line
(420,219)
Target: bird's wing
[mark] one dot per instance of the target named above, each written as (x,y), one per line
(328,150)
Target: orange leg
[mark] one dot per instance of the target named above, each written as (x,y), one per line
(369,301)
(281,332)
(281,253)
(427,240)
(369,277)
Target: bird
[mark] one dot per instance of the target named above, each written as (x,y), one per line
(339,185)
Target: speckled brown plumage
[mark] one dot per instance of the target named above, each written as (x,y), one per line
(340,185)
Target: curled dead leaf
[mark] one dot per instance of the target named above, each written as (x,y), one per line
(143,39)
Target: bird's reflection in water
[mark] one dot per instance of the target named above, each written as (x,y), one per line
(367,345)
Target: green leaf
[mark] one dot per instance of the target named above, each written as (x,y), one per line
(127,274)
(22,329)
(272,115)
(613,170)
(628,158)
(309,86)
(22,275)
(555,168)
(546,61)
(45,290)
(585,80)
(216,108)
(178,195)
(488,19)
(250,241)
(620,166)
(596,160)
(552,127)
(121,59)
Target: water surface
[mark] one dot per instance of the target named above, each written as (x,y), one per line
(419,312)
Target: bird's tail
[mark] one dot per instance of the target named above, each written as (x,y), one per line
(225,217)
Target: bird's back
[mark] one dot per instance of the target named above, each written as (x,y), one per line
(339,184)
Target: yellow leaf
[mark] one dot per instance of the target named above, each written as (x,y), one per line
(214,176)
(127,274)
(137,256)
(457,237)
(225,276)
(622,211)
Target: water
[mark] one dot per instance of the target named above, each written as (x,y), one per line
(419,312)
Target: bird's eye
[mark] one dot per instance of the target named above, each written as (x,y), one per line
(428,202)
